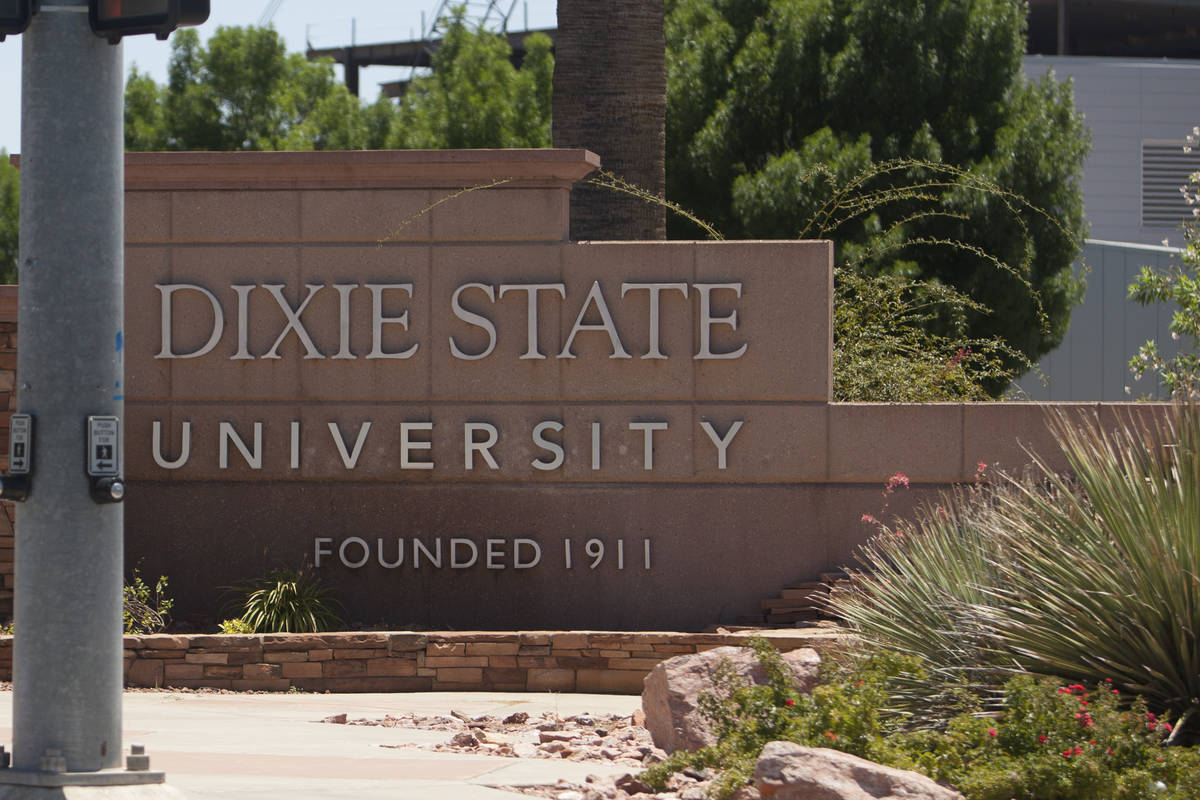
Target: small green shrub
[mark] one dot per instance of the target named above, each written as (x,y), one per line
(236,625)
(146,610)
(1047,741)
(288,601)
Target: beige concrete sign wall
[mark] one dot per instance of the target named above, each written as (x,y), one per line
(461,419)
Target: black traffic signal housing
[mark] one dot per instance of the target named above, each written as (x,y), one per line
(15,16)
(113,19)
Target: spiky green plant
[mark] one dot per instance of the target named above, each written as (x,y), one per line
(1088,575)
(920,594)
(1101,575)
(288,601)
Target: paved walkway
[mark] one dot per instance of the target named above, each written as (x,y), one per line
(272,746)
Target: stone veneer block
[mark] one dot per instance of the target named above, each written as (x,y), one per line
(147,217)
(623,449)
(235,216)
(344,653)
(407,642)
(343,669)
(379,457)
(144,672)
(359,169)
(868,442)
(595,374)
(504,374)
(204,463)
(1001,435)
(207,658)
(514,451)
(775,444)
(306,669)
(392,666)
(610,681)
(284,658)
(375,216)
(501,215)
(568,641)
(172,672)
(215,375)
(1146,421)
(492,648)
(551,680)
(139,440)
(361,377)
(145,376)
(784,317)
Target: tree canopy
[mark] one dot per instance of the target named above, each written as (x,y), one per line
(244,91)
(10,190)
(775,106)
(475,97)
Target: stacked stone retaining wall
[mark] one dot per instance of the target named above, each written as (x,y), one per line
(526,661)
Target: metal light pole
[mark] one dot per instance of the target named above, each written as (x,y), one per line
(67,659)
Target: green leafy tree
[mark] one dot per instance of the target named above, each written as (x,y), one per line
(10,185)
(1179,284)
(244,91)
(773,105)
(475,97)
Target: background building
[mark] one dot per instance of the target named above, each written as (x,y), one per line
(1135,65)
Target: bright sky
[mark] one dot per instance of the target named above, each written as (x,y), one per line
(324,24)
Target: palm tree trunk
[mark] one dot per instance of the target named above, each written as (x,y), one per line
(610,96)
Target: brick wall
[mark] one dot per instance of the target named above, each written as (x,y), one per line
(528,661)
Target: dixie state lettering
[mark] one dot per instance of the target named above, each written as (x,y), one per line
(469,304)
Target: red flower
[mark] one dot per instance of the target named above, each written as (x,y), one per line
(789,702)
(1067,753)
(992,732)
(1166,726)
(1042,739)
(831,735)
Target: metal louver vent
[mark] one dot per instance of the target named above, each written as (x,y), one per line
(1165,168)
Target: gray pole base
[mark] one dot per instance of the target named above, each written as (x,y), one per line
(103,777)
(145,791)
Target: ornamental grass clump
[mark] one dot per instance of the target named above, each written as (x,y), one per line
(1086,576)
(287,601)
(1101,577)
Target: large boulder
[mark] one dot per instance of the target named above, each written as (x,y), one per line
(787,771)
(672,690)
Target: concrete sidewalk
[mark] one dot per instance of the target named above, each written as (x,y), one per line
(273,747)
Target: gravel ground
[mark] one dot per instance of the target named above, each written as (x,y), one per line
(601,738)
